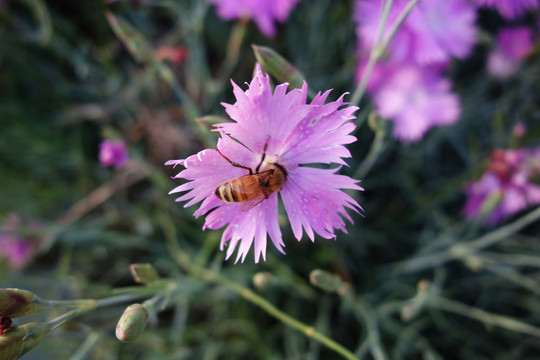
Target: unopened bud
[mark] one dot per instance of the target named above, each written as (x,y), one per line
(132,322)
(11,343)
(417,303)
(377,123)
(18,302)
(262,279)
(325,281)
(278,67)
(21,339)
(143,273)
(473,262)
(132,39)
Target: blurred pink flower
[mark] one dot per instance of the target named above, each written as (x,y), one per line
(434,31)
(508,177)
(513,45)
(16,247)
(263,13)
(113,153)
(174,54)
(406,84)
(510,9)
(416,99)
(286,132)
(381,72)
(519,130)
(442,28)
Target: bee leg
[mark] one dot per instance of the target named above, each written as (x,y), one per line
(263,155)
(235,164)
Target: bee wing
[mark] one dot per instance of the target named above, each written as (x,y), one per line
(248,205)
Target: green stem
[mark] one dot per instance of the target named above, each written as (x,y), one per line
(82,352)
(462,251)
(236,39)
(375,151)
(483,316)
(504,231)
(380,46)
(397,24)
(83,306)
(364,313)
(62,319)
(91,303)
(374,55)
(184,261)
(191,111)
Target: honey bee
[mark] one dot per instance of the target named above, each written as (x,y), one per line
(253,188)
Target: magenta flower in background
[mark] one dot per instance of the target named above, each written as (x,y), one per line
(15,248)
(519,130)
(433,32)
(285,131)
(367,14)
(508,178)
(407,84)
(510,9)
(417,99)
(263,13)
(442,29)
(113,153)
(513,45)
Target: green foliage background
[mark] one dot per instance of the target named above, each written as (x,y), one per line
(67,81)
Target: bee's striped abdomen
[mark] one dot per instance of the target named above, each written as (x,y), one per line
(232,191)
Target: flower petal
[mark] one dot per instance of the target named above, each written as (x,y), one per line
(260,116)
(250,228)
(319,137)
(313,201)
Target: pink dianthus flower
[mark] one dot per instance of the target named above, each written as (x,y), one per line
(508,177)
(406,83)
(263,13)
(416,99)
(17,245)
(433,32)
(513,45)
(275,129)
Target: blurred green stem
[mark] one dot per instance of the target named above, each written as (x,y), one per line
(190,109)
(234,45)
(514,276)
(84,306)
(39,9)
(125,177)
(364,313)
(465,250)
(376,149)
(380,46)
(82,351)
(90,303)
(183,259)
(487,318)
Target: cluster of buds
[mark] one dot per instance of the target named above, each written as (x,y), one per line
(134,319)
(18,340)
(18,302)
(329,282)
